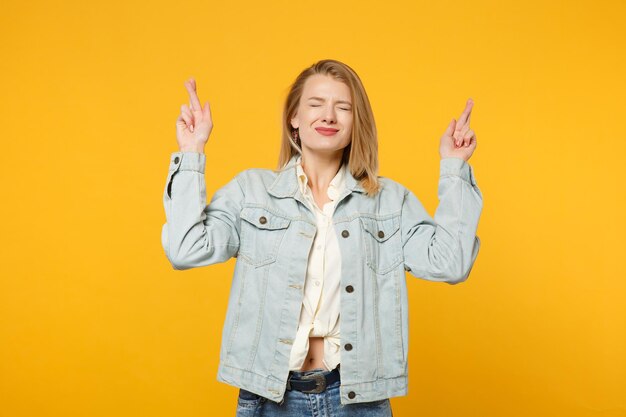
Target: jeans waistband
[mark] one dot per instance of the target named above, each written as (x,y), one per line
(312,381)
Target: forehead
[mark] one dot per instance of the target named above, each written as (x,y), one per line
(325,86)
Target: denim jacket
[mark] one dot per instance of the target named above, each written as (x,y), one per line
(261,218)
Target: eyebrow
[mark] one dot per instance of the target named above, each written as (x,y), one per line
(321,99)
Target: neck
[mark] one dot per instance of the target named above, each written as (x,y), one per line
(320,169)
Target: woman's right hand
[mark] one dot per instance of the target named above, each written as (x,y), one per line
(194,124)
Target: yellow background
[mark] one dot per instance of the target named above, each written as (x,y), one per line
(95,322)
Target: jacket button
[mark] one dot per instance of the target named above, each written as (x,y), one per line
(348,346)
(381,234)
(262,220)
(349,288)
(351,395)
(345,233)
(176,160)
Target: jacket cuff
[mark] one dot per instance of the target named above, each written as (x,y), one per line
(187,161)
(458,167)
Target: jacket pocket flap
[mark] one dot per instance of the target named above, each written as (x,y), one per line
(264,219)
(381,229)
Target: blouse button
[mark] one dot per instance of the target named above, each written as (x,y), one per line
(348,346)
(345,233)
(349,288)
(351,395)
(262,220)
(381,234)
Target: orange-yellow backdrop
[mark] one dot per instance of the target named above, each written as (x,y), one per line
(95,322)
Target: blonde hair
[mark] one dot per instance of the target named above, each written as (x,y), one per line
(361,154)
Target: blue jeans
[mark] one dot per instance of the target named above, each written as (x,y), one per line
(299,404)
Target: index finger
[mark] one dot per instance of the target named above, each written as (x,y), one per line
(465,116)
(193,96)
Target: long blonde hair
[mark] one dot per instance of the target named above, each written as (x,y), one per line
(361,154)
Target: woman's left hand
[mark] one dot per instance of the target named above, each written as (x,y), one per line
(459,141)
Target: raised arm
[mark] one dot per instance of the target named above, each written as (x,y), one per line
(445,248)
(196,234)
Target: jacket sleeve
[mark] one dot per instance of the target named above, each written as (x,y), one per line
(196,234)
(443,249)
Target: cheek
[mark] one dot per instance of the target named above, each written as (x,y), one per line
(348,136)
(348,124)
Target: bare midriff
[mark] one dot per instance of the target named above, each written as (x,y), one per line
(315,354)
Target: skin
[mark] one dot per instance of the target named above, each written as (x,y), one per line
(194,124)
(459,140)
(321,155)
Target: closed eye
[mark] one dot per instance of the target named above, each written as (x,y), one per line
(341,108)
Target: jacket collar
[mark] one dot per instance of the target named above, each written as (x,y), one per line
(286,182)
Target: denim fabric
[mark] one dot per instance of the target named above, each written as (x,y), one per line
(300,404)
(261,218)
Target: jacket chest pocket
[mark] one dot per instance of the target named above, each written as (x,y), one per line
(383,246)
(261,234)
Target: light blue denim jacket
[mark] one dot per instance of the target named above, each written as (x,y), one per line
(261,218)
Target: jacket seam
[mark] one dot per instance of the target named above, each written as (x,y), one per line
(259,324)
(458,250)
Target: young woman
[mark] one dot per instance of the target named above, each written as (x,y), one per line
(317,318)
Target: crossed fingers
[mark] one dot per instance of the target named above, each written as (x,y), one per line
(462,133)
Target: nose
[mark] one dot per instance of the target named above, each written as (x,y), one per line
(330,115)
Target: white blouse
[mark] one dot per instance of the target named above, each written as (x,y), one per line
(319,315)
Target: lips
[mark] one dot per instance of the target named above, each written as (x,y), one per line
(326,131)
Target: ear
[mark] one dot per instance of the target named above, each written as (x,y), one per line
(294,121)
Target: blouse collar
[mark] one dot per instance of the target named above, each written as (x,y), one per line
(336,186)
